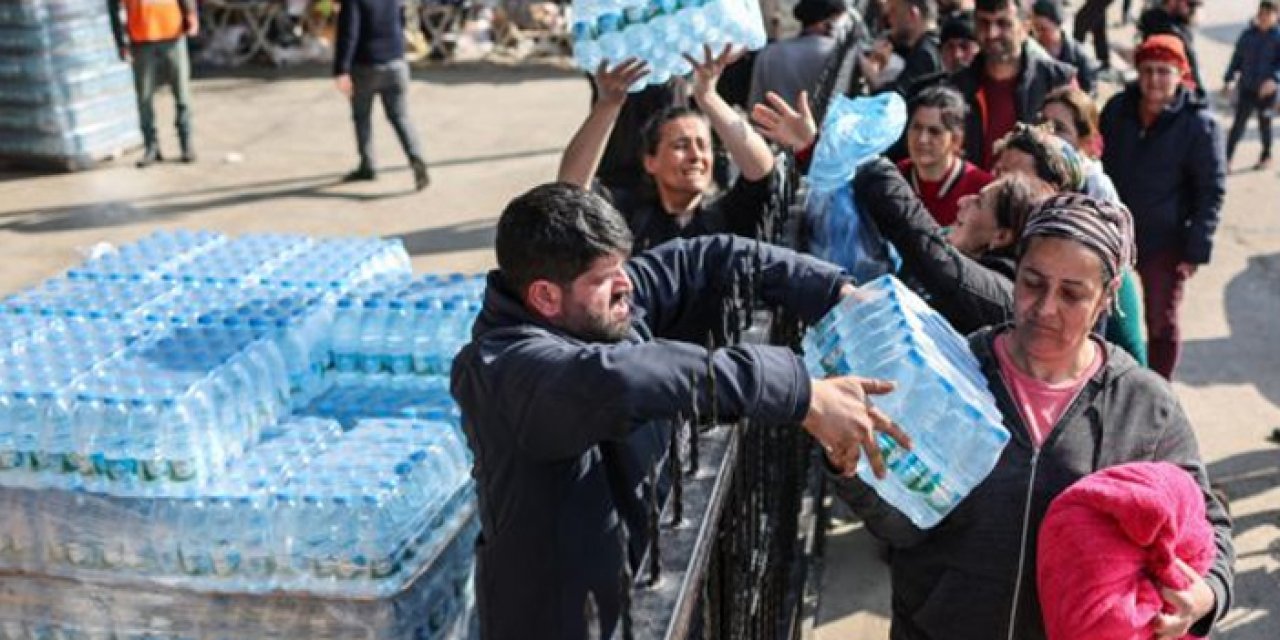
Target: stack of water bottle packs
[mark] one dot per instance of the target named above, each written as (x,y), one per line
(256,415)
(661,32)
(66,97)
(884,330)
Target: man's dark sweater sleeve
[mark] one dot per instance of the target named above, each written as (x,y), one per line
(574,397)
(1178,445)
(344,46)
(680,283)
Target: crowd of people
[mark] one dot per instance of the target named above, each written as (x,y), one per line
(1056,231)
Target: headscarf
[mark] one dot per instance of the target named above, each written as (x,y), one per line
(1102,227)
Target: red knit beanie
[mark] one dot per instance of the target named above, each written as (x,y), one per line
(1163,48)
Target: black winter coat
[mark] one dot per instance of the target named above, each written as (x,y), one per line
(973,576)
(1171,175)
(557,424)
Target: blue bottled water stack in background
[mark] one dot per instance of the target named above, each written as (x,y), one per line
(250,415)
(886,331)
(660,32)
(66,98)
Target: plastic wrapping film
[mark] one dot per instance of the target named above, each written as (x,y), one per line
(66,96)
(437,605)
(179,460)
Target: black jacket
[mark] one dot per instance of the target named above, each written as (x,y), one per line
(969,293)
(1039,75)
(1172,175)
(369,32)
(919,61)
(958,581)
(1073,53)
(548,416)
(740,210)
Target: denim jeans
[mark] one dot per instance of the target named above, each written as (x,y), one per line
(391,82)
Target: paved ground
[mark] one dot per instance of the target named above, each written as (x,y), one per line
(274,142)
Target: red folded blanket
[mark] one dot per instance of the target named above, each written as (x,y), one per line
(1107,546)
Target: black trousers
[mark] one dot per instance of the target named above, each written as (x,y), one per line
(1092,20)
(1248,103)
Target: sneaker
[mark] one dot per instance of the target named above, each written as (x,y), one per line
(150,156)
(362,174)
(1264,163)
(420,177)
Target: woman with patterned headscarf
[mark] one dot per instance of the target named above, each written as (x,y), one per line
(1073,404)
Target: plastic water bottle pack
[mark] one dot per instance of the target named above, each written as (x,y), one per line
(853,131)
(171,414)
(65,94)
(661,32)
(941,399)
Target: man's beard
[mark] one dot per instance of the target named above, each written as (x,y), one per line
(595,329)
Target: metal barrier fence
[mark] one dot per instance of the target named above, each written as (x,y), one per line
(733,550)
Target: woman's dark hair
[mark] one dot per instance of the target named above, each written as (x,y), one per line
(1039,143)
(1015,196)
(651,135)
(949,103)
(554,232)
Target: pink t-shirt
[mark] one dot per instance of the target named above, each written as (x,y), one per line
(1040,403)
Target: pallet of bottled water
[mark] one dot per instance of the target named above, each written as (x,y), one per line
(884,330)
(66,97)
(173,416)
(661,32)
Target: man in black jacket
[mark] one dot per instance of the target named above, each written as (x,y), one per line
(567,372)
(915,38)
(1046,23)
(368,61)
(1008,81)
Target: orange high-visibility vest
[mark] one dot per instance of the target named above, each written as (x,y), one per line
(153,20)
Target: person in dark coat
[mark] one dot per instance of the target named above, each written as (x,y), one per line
(915,39)
(1008,81)
(1046,24)
(369,62)
(1073,404)
(1253,73)
(569,361)
(1164,152)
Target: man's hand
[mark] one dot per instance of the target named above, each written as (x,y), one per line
(125,54)
(612,84)
(1267,88)
(191,25)
(777,121)
(1187,269)
(842,419)
(1183,608)
(343,82)
(707,73)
